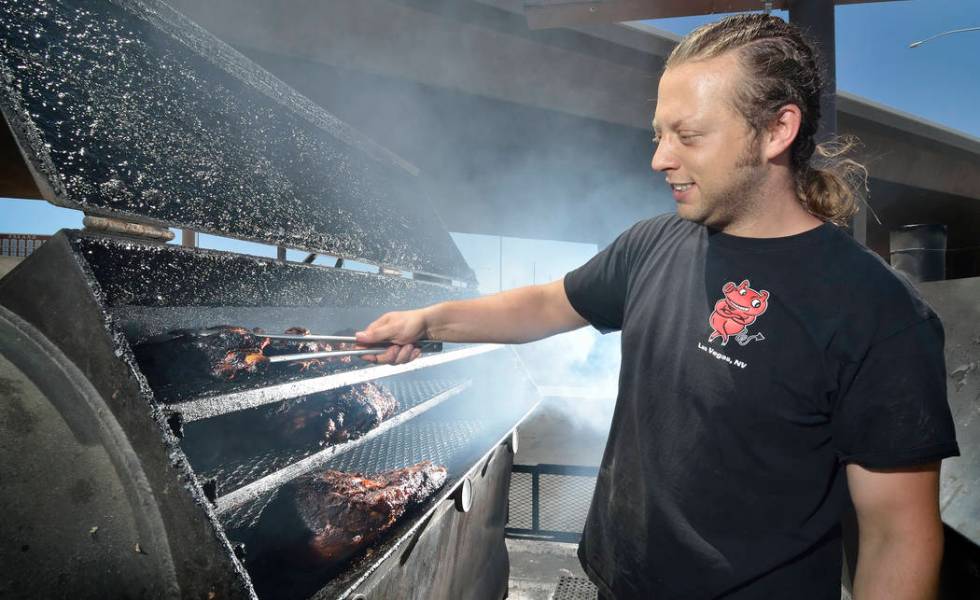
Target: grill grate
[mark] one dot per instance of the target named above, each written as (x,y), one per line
(441,441)
(240,472)
(206,407)
(437,441)
(575,588)
(247,515)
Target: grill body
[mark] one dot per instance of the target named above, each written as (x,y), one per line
(155,486)
(183,475)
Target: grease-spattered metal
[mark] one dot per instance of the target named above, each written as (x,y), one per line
(129,109)
(157,275)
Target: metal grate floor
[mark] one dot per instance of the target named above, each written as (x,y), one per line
(520,501)
(242,471)
(563,502)
(575,588)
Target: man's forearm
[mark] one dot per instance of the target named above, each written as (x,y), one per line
(896,566)
(512,317)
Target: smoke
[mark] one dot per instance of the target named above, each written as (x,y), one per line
(505,150)
(578,375)
(504,147)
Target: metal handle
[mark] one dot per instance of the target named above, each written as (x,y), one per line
(427,346)
(299,337)
(333,354)
(423,345)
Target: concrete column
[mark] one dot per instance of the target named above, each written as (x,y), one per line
(816,19)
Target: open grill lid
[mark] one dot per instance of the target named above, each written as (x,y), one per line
(127,109)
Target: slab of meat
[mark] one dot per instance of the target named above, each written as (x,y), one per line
(333,417)
(249,360)
(223,352)
(357,410)
(338,514)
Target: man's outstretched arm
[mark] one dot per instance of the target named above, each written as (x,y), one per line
(513,317)
(900,534)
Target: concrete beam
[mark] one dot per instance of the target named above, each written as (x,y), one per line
(543,14)
(464,46)
(904,149)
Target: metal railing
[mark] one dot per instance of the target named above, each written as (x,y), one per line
(549,502)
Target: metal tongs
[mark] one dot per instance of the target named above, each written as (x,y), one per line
(423,345)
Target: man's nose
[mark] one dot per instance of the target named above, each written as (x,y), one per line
(663,158)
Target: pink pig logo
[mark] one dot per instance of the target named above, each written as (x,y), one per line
(738,309)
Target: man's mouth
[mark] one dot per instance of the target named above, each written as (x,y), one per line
(681,187)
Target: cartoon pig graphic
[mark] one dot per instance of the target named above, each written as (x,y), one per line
(736,311)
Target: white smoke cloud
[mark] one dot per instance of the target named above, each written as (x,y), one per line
(578,374)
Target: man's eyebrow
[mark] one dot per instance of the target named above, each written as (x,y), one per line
(678,124)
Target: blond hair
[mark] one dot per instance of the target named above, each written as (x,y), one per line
(780,68)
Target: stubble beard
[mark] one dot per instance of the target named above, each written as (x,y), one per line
(740,197)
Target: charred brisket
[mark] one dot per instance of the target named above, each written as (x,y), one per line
(221,352)
(225,352)
(357,410)
(336,416)
(328,517)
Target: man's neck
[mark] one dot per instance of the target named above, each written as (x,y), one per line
(771,225)
(777,212)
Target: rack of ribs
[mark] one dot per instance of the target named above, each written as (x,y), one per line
(333,515)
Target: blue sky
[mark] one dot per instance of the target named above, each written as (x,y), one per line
(937,81)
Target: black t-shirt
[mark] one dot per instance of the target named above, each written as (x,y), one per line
(752,371)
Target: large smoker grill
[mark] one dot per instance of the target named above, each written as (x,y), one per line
(112,487)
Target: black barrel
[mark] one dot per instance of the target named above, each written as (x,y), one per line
(919,251)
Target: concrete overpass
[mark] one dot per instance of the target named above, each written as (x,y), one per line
(543,133)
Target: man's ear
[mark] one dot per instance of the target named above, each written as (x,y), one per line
(782,130)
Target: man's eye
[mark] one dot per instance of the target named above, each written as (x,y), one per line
(688,137)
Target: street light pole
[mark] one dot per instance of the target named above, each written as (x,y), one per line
(930,38)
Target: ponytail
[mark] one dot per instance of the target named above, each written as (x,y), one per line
(831,185)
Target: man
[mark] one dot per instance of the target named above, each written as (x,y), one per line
(770,363)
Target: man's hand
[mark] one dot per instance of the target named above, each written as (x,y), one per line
(400,329)
(900,534)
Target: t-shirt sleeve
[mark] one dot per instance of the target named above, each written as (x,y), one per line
(892,410)
(597,289)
